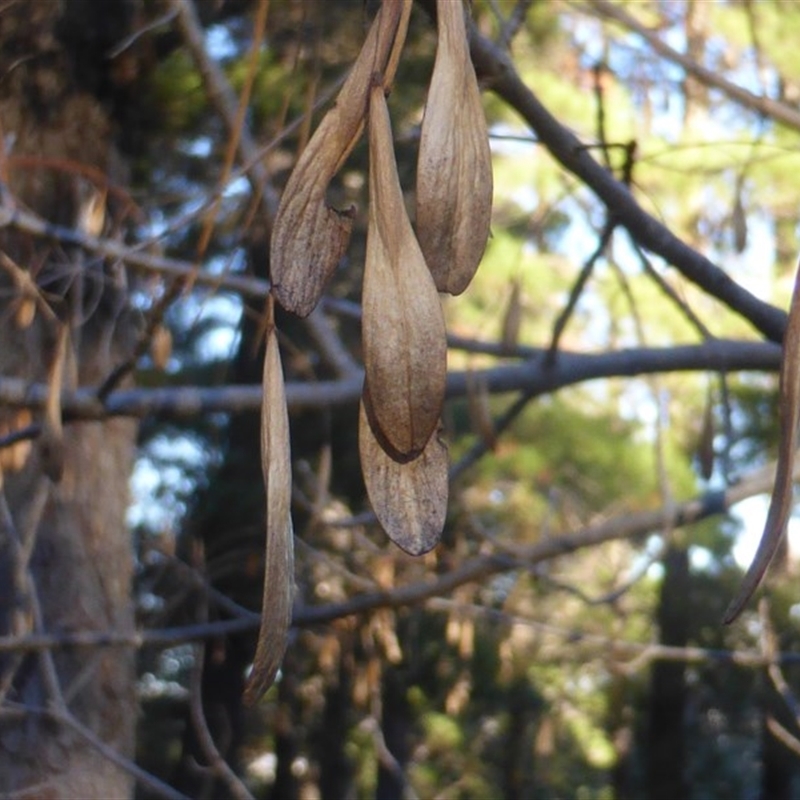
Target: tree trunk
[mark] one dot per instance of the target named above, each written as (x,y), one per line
(396,722)
(666,756)
(330,740)
(65,552)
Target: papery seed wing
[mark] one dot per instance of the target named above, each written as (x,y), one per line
(512,319)
(405,348)
(705,448)
(409,499)
(454,170)
(780,504)
(276,613)
(51,441)
(309,238)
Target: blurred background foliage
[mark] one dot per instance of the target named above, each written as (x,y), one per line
(602,674)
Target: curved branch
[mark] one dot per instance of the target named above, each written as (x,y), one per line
(496,69)
(482,567)
(479,568)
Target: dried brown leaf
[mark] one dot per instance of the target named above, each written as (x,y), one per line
(780,505)
(454,171)
(409,499)
(405,348)
(309,237)
(276,612)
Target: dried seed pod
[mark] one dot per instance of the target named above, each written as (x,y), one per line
(780,504)
(24,312)
(161,346)
(705,447)
(739,218)
(405,348)
(309,238)
(454,171)
(409,499)
(512,319)
(51,439)
(480,414)
(92,212)
(13,457)
(276,613)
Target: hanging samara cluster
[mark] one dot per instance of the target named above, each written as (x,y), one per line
(403,458)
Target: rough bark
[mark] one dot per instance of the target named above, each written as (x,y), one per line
(63,541)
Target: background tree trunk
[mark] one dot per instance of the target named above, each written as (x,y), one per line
(65,543)
(666,756)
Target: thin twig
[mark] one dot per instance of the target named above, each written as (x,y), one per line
(224,99)
(783,736)
(24,434)
(578,287)
(476,569)
(766,106)
(644,653)
(330,344)
(769,650)
(131,255)
(19,616)
(142,777)
(217,764)
(130,40)
(516,19)
(670,293)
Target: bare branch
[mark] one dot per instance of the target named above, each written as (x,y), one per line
(643,653)
(131,255)
(482,567)
(218,767)
(769,649)
(496,69)
(476,569)
(780,112)
(217,764)
(150,782)
(534,377)
(578,287)
(329,344)
(516,19)
(783,736)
